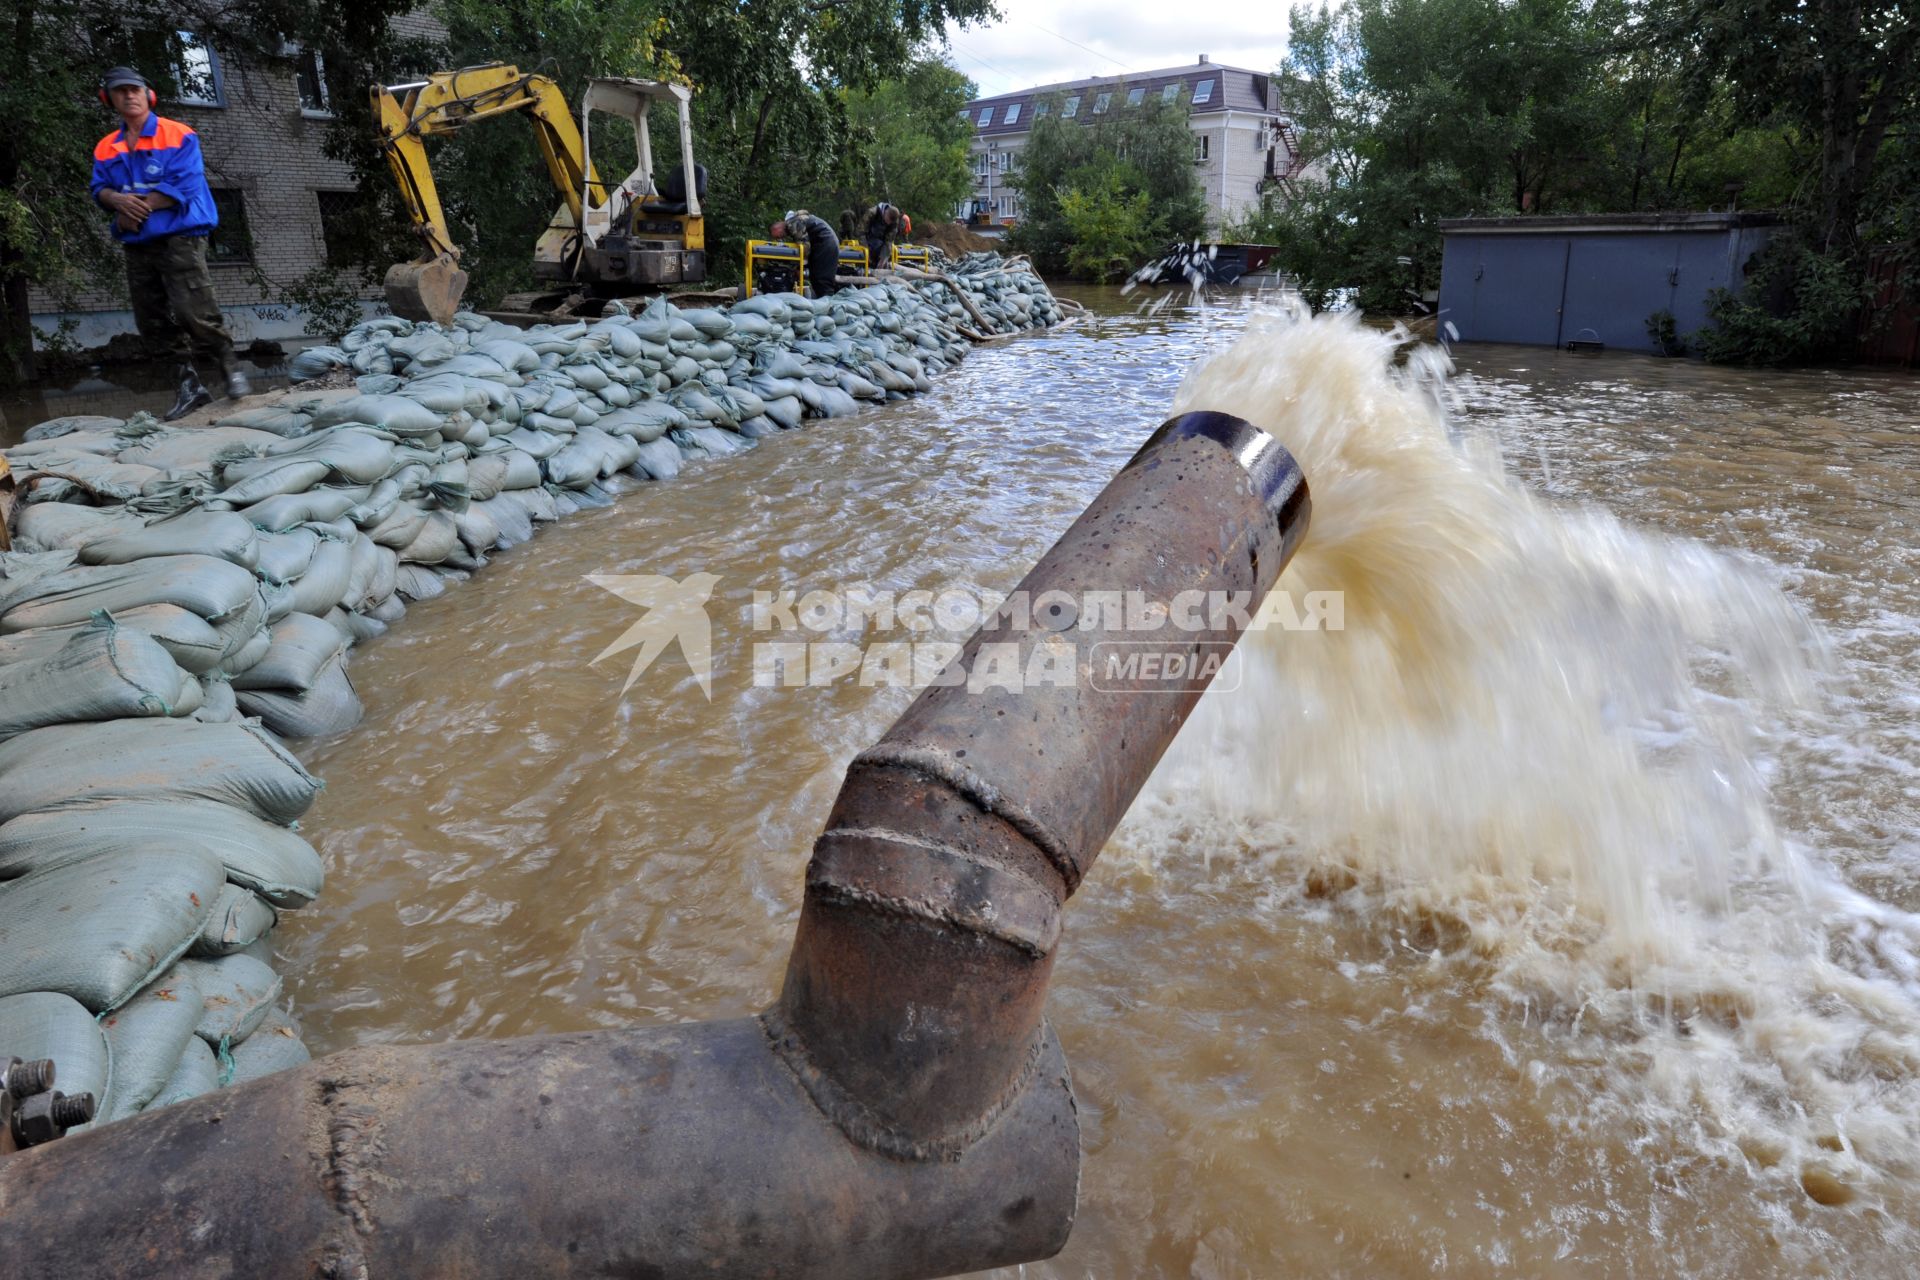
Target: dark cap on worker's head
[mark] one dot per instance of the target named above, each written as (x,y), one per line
(123,75)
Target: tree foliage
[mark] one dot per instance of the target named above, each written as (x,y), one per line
(906,143)
(1110,230)
(1418,110)
(1130,154)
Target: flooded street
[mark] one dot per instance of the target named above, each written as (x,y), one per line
(1534,932)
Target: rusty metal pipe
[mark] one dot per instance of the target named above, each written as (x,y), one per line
(912,1005)
(903,1110)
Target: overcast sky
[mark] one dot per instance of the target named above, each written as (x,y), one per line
(1043,41)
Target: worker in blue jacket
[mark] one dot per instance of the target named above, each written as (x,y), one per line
(149,176)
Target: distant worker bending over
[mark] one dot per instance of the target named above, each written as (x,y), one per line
(821,244)
(148,174)
(882,225)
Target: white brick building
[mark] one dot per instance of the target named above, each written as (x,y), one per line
(1243,136)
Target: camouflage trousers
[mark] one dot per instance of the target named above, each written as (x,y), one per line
(173,304)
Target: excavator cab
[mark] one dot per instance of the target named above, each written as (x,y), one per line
(648,231)
(604,241)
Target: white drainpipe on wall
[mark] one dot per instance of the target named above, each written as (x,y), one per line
(1226,145)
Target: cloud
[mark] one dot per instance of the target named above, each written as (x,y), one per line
(1044,41)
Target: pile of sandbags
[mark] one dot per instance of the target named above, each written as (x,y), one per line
(180,595)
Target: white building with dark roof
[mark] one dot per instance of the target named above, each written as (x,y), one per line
(1243,137)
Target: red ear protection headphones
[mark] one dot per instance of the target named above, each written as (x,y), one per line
(153,99)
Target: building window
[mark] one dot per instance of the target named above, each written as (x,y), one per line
(1040,110)
(1202,92)
(986,116)
(310,72)
(1136,96)
(180,65)
(231,242)
(336,214)
(1100,103)
(1013,113)
(1071,109)
(1171,93)
(1200,149)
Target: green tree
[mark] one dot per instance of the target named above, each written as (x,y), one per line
(1418,110)
(1129,152)
(1112,231)
(1844,74)
(907,143)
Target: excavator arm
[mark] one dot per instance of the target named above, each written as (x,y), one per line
(430,286)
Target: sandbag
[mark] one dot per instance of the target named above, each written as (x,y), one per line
(209,587)
(275,419)
(486,476)
(272,477)
(478,531)
(237,764)
(590,454)
(326,580)
(221,534)
(98,929)
(436,540)
(240,918)
(352,455)
(509,517)
(709,442)
(417,582)
(146,1036)
(275,1045)
(250,652)
(299,645)
(53,428)
(523,471)
(397,414)
(658,460)
(283,557)
(330,705)
(397,531)
(189,639)
(103,672)
(235,994)
(271,860)
(288,510)
(55,526)
(197,1073)
(46,1024)
(198,449)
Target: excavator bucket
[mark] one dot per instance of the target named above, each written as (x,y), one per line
(426,290)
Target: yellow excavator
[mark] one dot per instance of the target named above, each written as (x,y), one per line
(642,235)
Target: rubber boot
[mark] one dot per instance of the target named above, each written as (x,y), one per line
(193,394)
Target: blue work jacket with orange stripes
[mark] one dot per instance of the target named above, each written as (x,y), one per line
(165,158)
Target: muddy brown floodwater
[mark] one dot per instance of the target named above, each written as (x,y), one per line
(1551,935)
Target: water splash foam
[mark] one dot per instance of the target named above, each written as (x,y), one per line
(1542,739)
